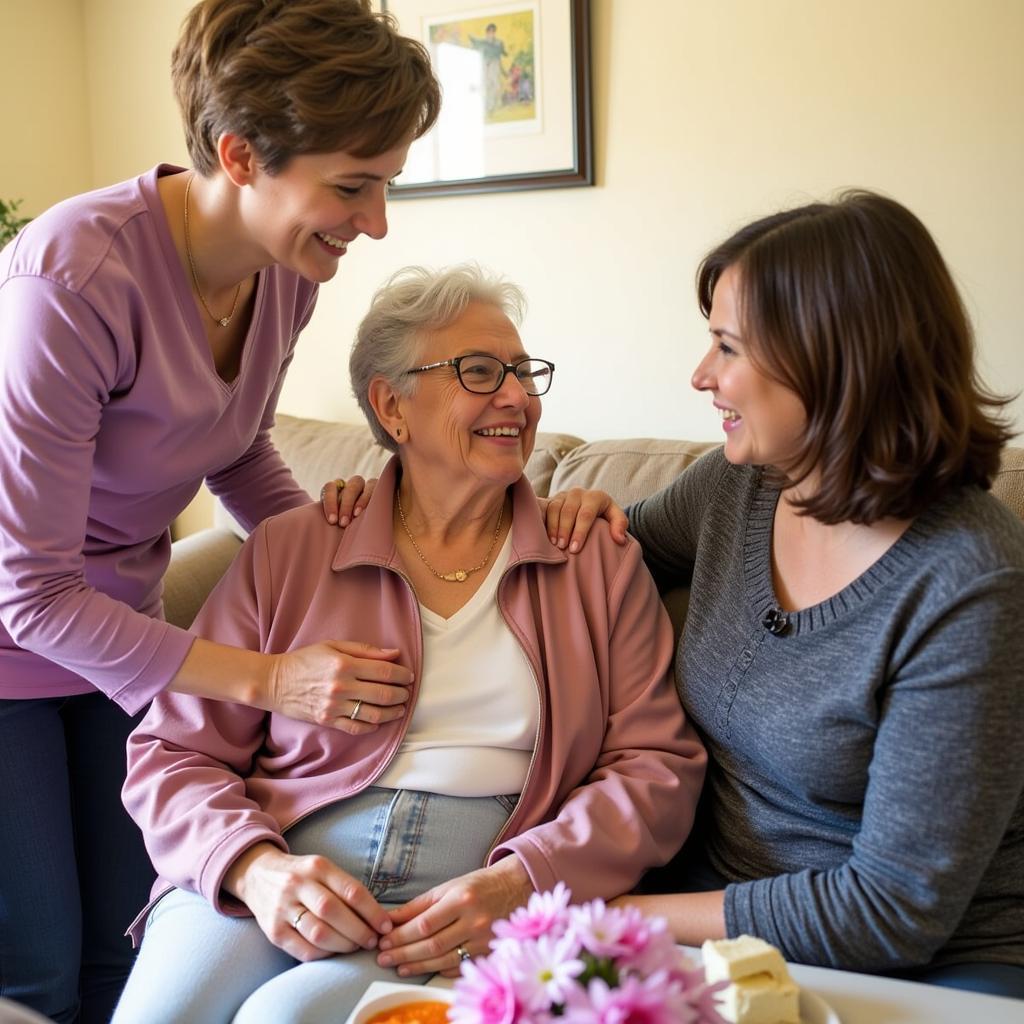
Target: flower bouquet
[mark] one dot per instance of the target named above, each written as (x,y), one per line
(588,964)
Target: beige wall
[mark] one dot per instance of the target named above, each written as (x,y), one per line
(47,146)
(706,115)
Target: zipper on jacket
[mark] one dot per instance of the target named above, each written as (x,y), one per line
(540,717)
(405,727)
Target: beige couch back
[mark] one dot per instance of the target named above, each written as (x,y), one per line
(627,469)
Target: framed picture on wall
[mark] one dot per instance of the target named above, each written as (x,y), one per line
(515,111)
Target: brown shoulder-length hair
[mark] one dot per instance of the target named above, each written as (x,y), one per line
(851,306)
(299,76)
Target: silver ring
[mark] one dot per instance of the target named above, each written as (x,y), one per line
(298,917)
(355,711)
(464,953)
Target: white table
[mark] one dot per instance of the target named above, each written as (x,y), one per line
(869,999)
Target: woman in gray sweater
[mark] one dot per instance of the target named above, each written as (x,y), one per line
(855,638)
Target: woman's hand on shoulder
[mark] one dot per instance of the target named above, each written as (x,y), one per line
(432,931)
(343,500)
(306,906)
(570,515)
(347,685)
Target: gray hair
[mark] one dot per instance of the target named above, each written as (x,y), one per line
(410,304)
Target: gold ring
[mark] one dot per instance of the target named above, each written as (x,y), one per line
(464,953)
(355,711)
(298,917)
(340,483)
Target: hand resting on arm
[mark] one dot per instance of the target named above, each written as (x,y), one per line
(320,683)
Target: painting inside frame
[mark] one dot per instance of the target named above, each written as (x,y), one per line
(516,95)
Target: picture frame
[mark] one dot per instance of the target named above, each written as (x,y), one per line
(516,106)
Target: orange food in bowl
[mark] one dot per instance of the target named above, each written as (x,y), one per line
(425,1011)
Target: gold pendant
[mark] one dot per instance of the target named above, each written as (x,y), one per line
(459,576)
(224,321)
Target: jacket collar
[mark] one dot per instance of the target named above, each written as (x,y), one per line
(370,539)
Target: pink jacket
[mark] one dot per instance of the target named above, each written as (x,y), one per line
(616,770)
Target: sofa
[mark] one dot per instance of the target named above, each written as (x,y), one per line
(316,451)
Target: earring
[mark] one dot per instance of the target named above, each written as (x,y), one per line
(398,432)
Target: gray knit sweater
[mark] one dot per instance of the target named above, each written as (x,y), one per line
(866,787)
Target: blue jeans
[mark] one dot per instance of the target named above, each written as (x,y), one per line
(73,868)
(198,965)
(1005,980)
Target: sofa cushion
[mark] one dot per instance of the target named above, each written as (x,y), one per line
(631,469)
(628,469)
(1008,485)
(197,563)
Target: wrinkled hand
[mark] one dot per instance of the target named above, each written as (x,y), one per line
(330,682)
(306,906)
(343,500)
(430,929)
(570,515)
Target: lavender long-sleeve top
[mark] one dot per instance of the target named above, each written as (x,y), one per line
(111,415)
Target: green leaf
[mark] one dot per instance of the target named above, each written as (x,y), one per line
(10,222)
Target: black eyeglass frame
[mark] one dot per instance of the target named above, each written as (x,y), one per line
(506,369)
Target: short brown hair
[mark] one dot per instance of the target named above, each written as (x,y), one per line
(299,76)
(851,306)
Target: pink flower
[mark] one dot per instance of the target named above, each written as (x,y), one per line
(544,914)
(647,945)
(556,964)
(485,994)
(696,993)
(635,1001)
(546,970)
(606,931)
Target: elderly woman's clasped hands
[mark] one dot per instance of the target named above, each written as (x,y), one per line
(337,913)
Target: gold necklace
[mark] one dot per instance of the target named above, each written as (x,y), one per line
(459,575)
(222,320)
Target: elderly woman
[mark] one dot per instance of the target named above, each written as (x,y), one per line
(853,649)
(543,741)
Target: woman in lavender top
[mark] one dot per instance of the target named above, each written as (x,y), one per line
(853,647)
(146,329)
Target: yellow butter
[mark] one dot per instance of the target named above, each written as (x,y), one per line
(761,990)
(730,959)
(761,999)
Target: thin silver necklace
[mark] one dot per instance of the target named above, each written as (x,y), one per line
(457,575)
(222,320)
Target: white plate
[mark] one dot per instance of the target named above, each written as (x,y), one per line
(814,1010)
(384,995)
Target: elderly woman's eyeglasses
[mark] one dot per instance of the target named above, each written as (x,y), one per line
(483,375)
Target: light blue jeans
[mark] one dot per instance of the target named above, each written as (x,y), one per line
(198,965)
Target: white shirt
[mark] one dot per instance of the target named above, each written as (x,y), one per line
(475,723)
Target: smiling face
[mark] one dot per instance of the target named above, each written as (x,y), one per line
(763,419)
(459,435)
(305,216)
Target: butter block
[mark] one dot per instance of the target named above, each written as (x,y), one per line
(731,959)
(760,999)
(761,990)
